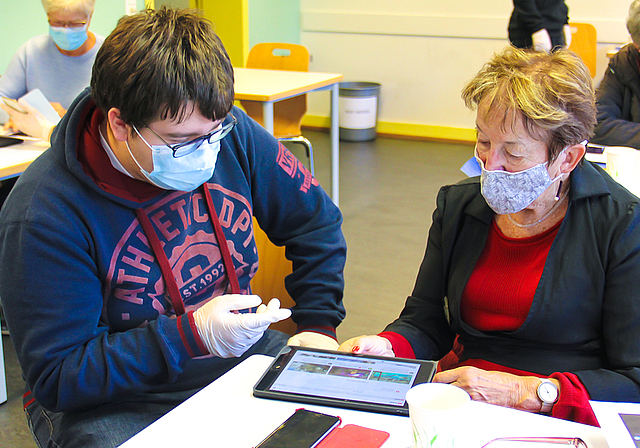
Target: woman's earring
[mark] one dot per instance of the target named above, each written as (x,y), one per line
(558,192)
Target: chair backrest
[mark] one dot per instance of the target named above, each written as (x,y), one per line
(279,56)
(287,114)
(269,279)
(584,42)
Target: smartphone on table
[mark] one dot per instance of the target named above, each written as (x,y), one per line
(304,429)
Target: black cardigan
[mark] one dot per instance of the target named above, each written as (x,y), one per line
(618,100)
(585,315)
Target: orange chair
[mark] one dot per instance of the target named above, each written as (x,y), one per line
(269,279)
(287,117)
(584,42)
(287,114)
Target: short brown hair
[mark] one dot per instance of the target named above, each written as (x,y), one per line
(155,63)
(551,93)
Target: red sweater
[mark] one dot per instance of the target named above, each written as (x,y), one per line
(498,297)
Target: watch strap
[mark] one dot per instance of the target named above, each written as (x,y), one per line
(546,408)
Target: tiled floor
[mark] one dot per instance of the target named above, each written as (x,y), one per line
(387,195)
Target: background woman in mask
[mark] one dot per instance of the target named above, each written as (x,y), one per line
(58,63)
(529,281)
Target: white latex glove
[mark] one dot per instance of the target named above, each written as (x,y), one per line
(31,123)
(541,40)
(228,334)
(566,30)
(369,345)
(313,340)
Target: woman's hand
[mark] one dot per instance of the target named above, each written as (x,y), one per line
(503,389)
(10,127)
(369,345)
(314,340)
(31,122)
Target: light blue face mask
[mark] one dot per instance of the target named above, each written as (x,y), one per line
(184,173)
(69,39)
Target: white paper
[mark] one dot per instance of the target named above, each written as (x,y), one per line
(3,380)
(608,415)
(358,112)
(597,158)
(37,100)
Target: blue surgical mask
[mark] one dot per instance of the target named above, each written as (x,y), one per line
(183,173)
(507,192)
(69,39)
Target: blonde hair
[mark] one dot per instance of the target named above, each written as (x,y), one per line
(551,93)
(85,6)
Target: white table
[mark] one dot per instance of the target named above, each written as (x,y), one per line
(225,414)
(15,159)
(271,86)
(608,415)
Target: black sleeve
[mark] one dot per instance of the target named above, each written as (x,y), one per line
(613,127)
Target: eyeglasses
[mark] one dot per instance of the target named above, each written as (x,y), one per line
(186,148)
(532,442)
(72,25)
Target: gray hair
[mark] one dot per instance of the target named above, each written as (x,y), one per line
(633,21)
(85,6)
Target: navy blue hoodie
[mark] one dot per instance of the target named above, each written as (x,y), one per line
(84,295)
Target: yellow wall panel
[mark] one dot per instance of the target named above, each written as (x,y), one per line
(231,21)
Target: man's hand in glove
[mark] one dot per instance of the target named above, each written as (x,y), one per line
(227,333)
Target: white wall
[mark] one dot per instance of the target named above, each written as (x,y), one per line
(424,51)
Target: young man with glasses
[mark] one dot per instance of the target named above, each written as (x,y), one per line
(127,249)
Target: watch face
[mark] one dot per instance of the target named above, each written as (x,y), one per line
(547,392)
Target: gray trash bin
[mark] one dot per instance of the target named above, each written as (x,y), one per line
(358,110)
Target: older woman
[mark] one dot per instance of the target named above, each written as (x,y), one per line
(59,64)
(531,268)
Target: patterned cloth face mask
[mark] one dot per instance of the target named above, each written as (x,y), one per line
(507,192)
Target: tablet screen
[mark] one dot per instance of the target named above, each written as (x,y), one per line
(344,378)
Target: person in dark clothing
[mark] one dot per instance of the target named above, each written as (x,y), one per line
(127,248)
(618,96)
(539,24)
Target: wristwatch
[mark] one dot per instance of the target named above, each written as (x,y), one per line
(547,393)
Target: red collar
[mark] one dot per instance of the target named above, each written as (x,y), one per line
(97,165)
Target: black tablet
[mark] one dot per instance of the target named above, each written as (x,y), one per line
(8,141)
(346,380)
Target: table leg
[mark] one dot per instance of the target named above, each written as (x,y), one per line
(267,116)
(335,145)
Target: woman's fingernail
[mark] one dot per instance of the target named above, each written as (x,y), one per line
(355,349)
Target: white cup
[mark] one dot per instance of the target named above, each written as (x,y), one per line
(436,411)
(622,165)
